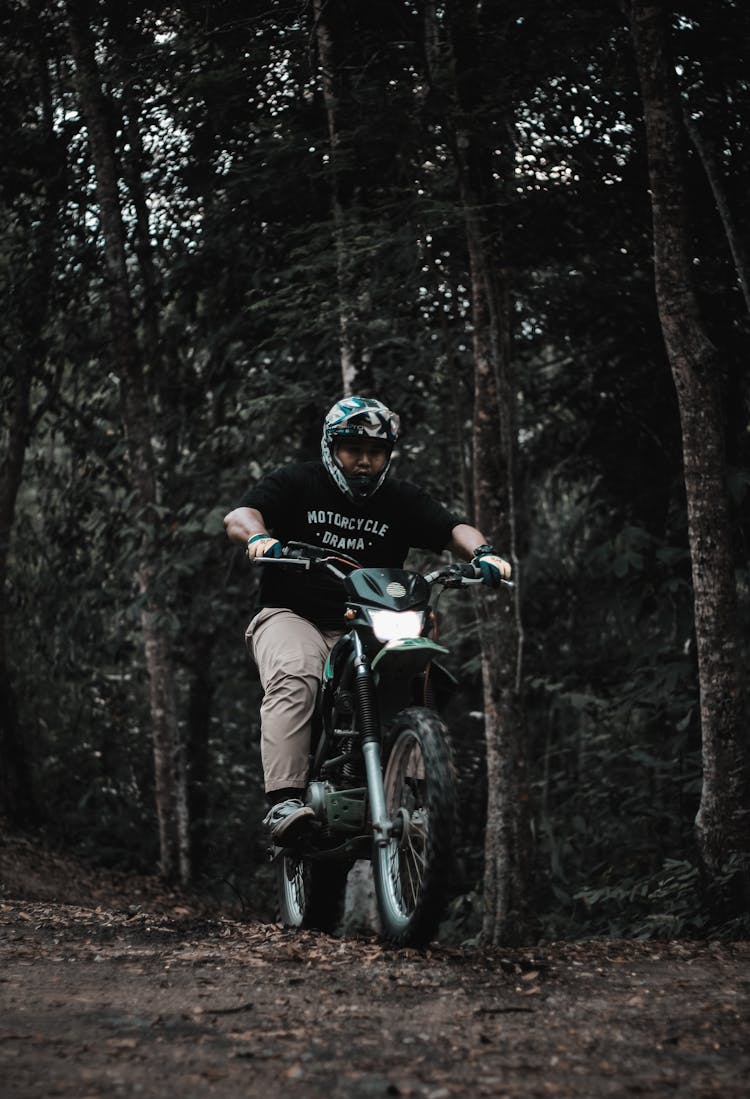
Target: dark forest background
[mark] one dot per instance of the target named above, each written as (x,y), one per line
(244,226)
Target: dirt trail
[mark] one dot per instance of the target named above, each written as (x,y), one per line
(107,999)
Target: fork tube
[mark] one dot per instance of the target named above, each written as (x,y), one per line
(381,826)
(369,727)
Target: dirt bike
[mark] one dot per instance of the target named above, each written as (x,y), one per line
(381,777)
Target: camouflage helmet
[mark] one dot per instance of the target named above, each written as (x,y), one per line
(361,417)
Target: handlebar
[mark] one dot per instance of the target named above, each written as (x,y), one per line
(459,575)
(303,556)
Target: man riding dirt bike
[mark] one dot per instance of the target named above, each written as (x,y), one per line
(344,504)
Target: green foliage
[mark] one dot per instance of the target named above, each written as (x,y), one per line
(671,903)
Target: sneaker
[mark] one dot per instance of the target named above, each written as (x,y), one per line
(287,818)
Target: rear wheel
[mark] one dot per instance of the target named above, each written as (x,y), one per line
(412,872)
(311,893)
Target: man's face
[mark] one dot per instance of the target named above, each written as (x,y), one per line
(362,456)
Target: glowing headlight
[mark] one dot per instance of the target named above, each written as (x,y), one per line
(395,625)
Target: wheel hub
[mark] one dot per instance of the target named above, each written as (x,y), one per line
(402,826)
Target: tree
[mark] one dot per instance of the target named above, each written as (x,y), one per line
(140,427)
(366,75)
(32,194)
(329,34)
(483,147)
(723,821)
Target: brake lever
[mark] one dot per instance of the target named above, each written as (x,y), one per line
(299,563)
(453,576)
(457,578)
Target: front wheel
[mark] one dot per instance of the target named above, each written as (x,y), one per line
(310,893)
(412,872)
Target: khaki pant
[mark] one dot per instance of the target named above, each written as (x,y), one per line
(290,653)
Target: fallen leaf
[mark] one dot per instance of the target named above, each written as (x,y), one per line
(226,1010)
(121,1043)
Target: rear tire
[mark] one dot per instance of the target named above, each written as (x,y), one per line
(412,872)
(311,893)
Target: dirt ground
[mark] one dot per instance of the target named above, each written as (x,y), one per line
(110,987)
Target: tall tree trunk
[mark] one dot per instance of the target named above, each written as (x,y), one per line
(29,303)
(506,839)
(723,821)
(707,156)
(331,33)
(199,657)
(16,789)
(171,801)
(507,831)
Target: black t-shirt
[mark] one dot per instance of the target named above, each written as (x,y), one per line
(300,503)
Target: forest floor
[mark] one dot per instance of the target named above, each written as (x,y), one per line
(109,986)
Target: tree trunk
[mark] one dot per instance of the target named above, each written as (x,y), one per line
(507,829)
(329,34)
(723,821)
(29,304)
(16,789)
(199,657)
(171,802)
(506,838)
(707,158)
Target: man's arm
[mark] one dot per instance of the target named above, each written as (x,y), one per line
(244,524)
(465,539)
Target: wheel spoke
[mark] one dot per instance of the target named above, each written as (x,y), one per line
(417,855)
(413,893)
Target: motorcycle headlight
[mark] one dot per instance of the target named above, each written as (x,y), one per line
(395,625)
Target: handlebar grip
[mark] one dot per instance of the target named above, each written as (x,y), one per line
(460,573)
(476,571)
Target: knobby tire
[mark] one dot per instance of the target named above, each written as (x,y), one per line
(412,874)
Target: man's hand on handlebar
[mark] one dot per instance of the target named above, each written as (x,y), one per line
(494,569)
(263,545)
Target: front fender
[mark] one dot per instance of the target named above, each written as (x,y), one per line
(399,669)
(421,649)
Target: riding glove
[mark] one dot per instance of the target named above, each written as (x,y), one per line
(263,545)
(494,569)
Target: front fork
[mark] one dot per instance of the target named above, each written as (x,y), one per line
(368,723)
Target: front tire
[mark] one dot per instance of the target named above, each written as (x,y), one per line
(311,893)
(412,872)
